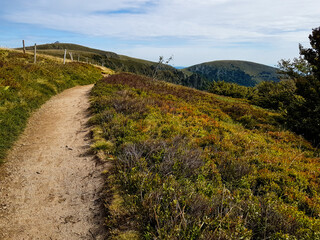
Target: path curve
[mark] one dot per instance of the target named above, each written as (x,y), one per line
(50,186)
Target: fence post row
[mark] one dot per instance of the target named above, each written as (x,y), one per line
(64,57)
(35,53)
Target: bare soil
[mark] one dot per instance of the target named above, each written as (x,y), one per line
(50,186)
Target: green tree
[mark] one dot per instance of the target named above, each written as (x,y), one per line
(303,114)
(311,55)
(274,95)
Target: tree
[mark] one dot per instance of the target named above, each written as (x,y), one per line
(312,55)
(274,95)
(159,64)
(303,114)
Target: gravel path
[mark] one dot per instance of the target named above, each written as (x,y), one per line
(50,186)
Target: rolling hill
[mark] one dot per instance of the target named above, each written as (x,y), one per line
(197,76)
(121,63)
(57,49)
(241,72)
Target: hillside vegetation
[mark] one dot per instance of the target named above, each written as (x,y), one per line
(198,76)
(240,72)
(57,49)
(296,96)
(24,86)
(121,63)
(193,165)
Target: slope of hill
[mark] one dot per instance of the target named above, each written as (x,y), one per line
(121,63)
(240,72)
(193,165)
(198,76)
(24,86)
(57,49)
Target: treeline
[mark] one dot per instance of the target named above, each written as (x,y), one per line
(297,95)
(231,75)
(269,95)
(231,90)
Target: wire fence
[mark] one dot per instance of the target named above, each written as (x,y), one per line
(72,56)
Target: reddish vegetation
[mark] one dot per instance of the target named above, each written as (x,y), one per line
(193,165)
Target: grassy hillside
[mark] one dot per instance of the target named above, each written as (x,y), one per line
(197,76)
(193,165)
(58,49)
(240,72)
(24,86)
(121,63)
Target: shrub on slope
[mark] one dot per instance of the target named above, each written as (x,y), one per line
(192,165)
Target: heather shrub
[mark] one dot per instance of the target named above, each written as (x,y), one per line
(193,165)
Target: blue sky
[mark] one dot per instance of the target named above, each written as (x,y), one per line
(193,31)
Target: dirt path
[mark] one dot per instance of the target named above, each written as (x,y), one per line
(50,187)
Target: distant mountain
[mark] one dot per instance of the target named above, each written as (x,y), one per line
(241,72)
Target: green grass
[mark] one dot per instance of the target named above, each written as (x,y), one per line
(71,47)
(191,165)
(25,86)
(85,53)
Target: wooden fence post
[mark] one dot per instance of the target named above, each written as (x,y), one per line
(64,57)
(35,53)
(71,57)
(24,47)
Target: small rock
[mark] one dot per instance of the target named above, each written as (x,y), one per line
(69,148)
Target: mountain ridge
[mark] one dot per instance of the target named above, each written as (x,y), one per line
(242,72)
(198,76)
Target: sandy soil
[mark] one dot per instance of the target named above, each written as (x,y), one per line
(50,186)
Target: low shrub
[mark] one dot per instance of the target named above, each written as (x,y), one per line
(193,165)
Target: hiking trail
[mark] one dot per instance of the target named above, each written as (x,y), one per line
(50,186)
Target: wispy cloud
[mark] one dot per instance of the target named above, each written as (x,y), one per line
(215,19)
(203,24)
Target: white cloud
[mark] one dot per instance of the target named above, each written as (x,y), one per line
(215,19)
(205,23)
